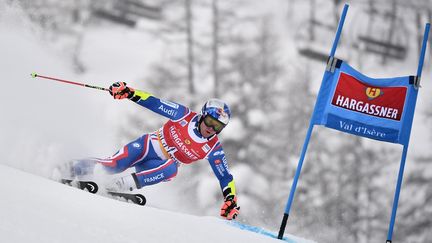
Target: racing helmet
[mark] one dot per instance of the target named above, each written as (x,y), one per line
(218,109)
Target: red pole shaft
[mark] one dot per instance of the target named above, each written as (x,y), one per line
(34,75)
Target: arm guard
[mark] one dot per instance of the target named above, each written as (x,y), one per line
(219,165)
(168,109)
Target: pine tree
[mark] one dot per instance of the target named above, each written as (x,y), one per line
(416,199)
(61,22)
(415,204)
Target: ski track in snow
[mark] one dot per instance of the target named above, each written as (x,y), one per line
(36,209)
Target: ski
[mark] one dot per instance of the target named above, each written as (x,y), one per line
(91,186)
(135,198)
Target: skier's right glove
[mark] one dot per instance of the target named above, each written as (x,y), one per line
(119,90)
(230,209)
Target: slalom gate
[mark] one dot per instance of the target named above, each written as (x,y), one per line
(380,109)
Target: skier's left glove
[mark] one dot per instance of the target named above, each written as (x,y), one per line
(230,209)
(119,90)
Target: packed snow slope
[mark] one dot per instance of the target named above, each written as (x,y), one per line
(38,210)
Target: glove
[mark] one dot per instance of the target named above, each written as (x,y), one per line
(229,209)
(119,90)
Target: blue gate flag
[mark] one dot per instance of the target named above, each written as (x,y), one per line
(380,109)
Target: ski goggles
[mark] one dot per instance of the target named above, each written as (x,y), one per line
(210,121)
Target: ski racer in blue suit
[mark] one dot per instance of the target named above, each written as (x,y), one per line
(185,138)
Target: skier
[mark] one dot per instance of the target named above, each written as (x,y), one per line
(185,138)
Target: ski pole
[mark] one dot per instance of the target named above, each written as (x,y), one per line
(35,75)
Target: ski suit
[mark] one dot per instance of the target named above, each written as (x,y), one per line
(157,155)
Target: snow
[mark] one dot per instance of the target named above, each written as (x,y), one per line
(44,123)
(48,211)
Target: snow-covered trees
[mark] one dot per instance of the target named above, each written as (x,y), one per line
(220,48)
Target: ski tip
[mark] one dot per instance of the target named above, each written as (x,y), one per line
(34,75)
(140,199)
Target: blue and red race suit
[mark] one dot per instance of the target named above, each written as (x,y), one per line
(157,155)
